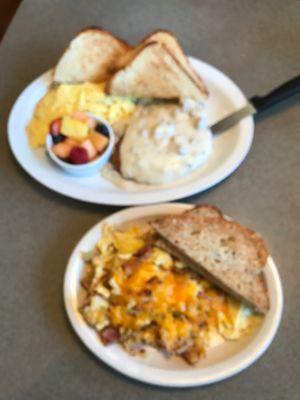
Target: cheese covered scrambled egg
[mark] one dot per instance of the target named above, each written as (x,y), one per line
(65,99)
(138,295)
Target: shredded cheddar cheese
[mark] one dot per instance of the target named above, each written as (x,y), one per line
(150,298)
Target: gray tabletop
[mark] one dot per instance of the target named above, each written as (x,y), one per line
(255,43)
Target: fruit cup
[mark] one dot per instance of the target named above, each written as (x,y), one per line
(89,168)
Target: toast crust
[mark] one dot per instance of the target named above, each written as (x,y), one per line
(206,210)
(96,28)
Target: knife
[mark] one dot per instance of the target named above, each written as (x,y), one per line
(258,104)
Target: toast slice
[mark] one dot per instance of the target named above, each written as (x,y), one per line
(170,42)
(90,57)
(154,73)
(202,210)
(223,251)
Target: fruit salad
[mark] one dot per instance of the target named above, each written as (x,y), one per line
(79,138)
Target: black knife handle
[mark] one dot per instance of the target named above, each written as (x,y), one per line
(283,92)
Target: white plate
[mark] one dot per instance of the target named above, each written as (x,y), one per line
(221,362)
(230,148)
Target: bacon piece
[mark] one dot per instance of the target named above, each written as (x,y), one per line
(143,252)
(109,334)
(130,266)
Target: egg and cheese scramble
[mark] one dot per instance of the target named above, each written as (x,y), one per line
(65,99)
(137,294)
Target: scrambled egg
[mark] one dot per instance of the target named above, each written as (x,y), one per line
(139,295)
(65,99)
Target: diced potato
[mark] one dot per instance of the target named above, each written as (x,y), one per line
(126,242)
(102,290)
(161,258)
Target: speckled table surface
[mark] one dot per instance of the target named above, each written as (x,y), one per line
(257,45)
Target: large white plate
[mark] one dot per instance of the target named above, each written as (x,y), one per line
(230,148)
(221,362)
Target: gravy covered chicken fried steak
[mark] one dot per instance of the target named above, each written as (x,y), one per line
(163,143)
(141,293)
(150,90)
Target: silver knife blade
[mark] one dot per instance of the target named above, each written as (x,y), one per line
(232,119)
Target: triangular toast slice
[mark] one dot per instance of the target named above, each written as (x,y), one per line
(154,73)
(222,250)
(169,40)
(171,43)
(90,57)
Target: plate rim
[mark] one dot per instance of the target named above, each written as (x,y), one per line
(156,196)
(160,379)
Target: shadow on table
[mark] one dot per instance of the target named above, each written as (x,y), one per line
(49,194)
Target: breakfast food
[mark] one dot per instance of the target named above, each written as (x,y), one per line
(172,81)
(151,90)
(170,43)
(90,57)
(79,138)
(65,99)
(163,143)
(94,55)
(230,255)
(139,294)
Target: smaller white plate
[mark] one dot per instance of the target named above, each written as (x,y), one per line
(221,362)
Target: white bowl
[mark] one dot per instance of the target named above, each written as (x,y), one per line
(91,167)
